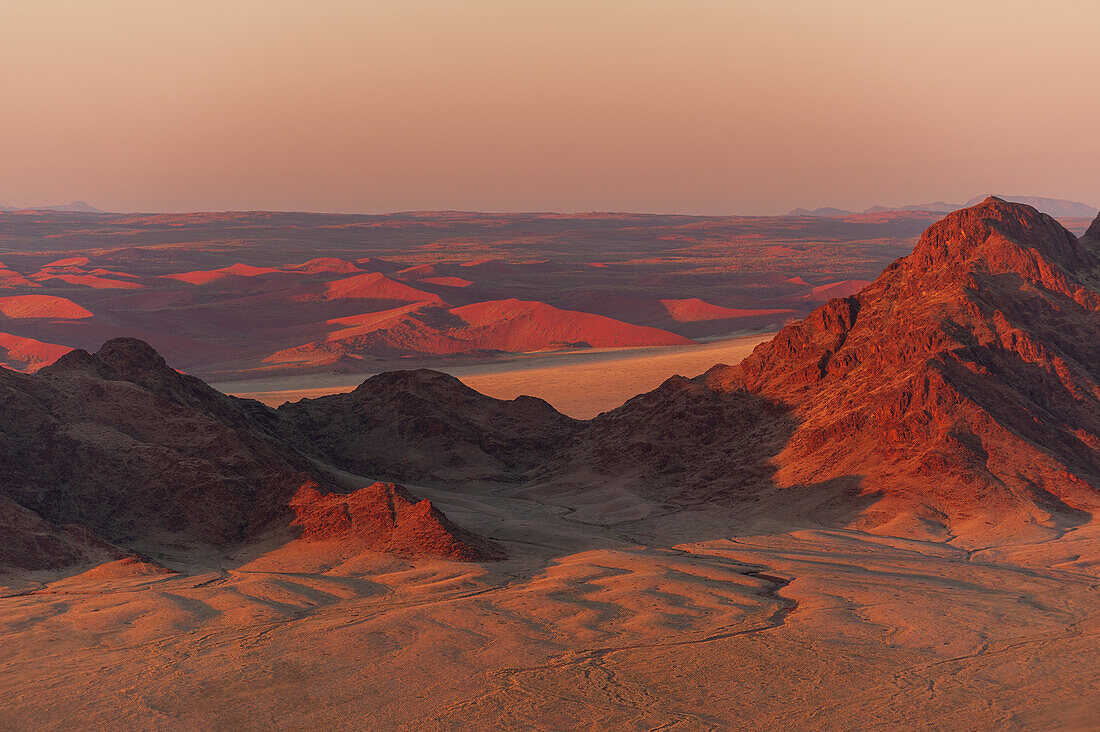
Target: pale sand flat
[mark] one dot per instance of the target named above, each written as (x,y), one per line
(581,384)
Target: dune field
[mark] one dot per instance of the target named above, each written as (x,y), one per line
(255,295)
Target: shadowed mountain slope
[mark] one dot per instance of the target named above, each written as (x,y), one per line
(119,443)
(426,425)
(28,542)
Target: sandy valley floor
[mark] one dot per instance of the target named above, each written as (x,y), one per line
(611,614)
(581,384)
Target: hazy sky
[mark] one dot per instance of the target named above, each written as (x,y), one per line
(696,106)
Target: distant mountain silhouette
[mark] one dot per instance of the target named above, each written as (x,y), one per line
(935,207)
(822,211)
(74,207)
(1056,207)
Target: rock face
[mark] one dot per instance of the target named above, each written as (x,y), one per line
(1093,234)
(962,386)
(27,542)
(384,517)
(124,446)
(426,425)
(683,441)
(957,394)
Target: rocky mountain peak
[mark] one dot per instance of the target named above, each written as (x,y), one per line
(998,236)
(957,394)
(119,359)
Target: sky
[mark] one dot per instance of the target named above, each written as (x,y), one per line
(689,106)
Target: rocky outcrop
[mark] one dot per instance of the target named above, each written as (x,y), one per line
(27,542)
(384,517)
(1093,233)
(123,446)
(426,425)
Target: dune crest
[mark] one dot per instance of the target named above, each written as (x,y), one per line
(41,306)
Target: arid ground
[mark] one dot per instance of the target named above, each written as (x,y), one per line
(613,612)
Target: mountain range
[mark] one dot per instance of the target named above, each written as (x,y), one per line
(118,449)
(74,207)
(957,397)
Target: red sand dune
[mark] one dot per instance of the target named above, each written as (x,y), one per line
(371,286)
(524,325)
(498,266)
(844,288)
(689,317)
(326,264)
(396,332)
(393,331)
(111,273)
(447,281)
(87,280)
(419,270)
(367,322)
(488,266)
(68,262)
(515,326)
(203,277)
(41,306)
(28,354)
(11,278)
(778,279)
(374,264)
(692,310)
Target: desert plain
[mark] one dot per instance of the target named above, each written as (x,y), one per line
(633,617)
